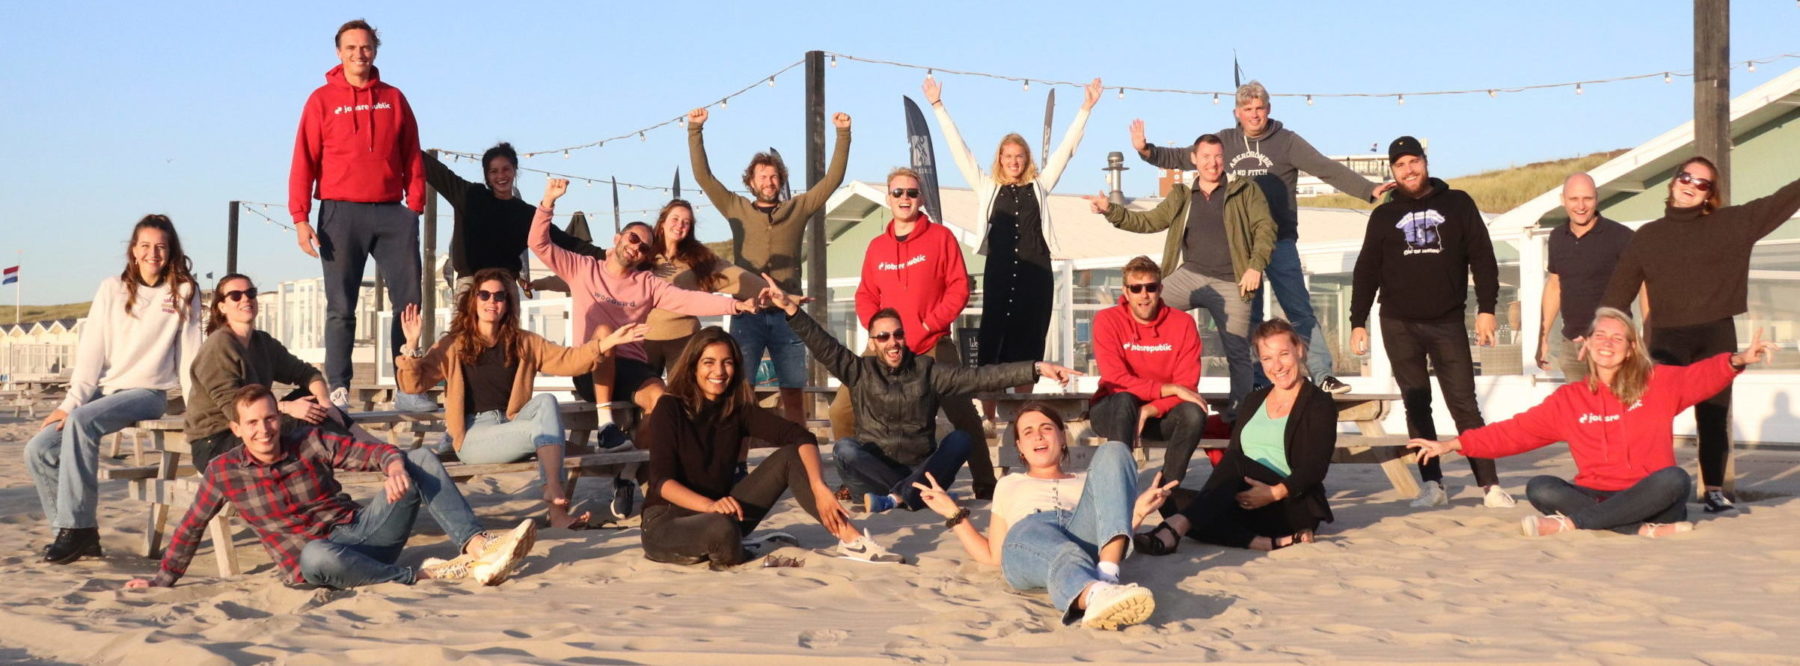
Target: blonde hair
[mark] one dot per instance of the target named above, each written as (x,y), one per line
(1633,376)
(1029,174)
(1252,92)
(903,171)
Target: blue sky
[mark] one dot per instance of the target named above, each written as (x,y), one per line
(114,110)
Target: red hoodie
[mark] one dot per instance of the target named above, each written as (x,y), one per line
(923,277)
(356,144)
(1138,358)
(1614,447)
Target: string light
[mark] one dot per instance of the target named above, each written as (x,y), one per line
(1401,99)
(1667,78)
(246,205)
(1750,64)
(1027,85)
(1121,93)
(1577,88)
(1491,93)
(1215,98)
(1309,100)
(725,103)
(771,82)
(834,62)
(565,154)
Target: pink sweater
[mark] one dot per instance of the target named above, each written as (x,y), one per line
(603,298)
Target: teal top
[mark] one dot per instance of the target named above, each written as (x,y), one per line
(1262,440)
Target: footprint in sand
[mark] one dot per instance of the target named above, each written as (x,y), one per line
(1610,647)
(822,638)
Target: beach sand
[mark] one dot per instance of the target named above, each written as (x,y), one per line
(1386,583)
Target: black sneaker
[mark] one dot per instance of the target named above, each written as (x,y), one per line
(1716,502)
(1332,384)
(73,544)
(624,497)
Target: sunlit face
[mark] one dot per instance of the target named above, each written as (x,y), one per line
(765,182)
(906,204)
(889,340)
(1040,442)
(715,369)
(501,173)
(1254,116)
(678,225)
(1281,361)
(258,424)
(1610,344)
(1579,199)
(1013,158)
(150,252)
(632,245)
(1143,293)
(237,301)
(1689,195)
(1411,174)
(490,301)
(356,50)
(1209,160)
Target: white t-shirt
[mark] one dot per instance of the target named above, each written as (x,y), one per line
(1018,495)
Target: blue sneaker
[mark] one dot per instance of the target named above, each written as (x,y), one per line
(873,503)
(414,402)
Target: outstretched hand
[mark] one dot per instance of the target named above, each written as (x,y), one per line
(697,117)
(1153,497)
(1431,448)
(935,497)
(1098,203)
(934,91)
(1137,135)
(773,295)
(1061,374)
(410,324)
(1091,93)
(553,190)
(623,335)
(1759,350)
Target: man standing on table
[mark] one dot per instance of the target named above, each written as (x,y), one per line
(1583,254)
(1420,248)
(357,151)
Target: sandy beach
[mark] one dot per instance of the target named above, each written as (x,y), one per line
(1386,583)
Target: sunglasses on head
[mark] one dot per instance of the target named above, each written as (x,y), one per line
(884,337)
(486,295)
(236,295)
(1152,287)
(1699,183)
(904,193)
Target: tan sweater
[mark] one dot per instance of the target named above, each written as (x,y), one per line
(671,325)
(768,241)
(535,354)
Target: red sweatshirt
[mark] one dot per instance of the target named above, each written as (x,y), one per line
(1138,358)
(923,277)
(356,144)
(1614,446)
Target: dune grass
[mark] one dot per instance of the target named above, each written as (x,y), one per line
(1496,191)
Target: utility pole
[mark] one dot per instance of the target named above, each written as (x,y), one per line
(231,238)
(428,269)
(1712,88)
(815,172)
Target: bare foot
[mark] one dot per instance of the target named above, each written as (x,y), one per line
(560,518)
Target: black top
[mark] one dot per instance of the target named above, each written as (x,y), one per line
(1419,254)
(1584,264)
(1017,225)
(1204,248)
(701,450)
(487,231)
(488,382)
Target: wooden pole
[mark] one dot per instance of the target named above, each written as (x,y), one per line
(815,172)
(231,238)
(1712,88)
(428,269)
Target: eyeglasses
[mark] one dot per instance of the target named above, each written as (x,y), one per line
(1152,287)
(904,193)
(1699,183)
(241,294)
(883,337)
(486,295)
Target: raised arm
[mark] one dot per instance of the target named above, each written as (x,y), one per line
(1303,155)
(555,359)
(1167,157)
(721,196)
(837,359)
(417,374)
(448,184)
(1150,221)
(1764,215)
(815,197)
(1056,162)
(964,380)
(562,262)
(959,149)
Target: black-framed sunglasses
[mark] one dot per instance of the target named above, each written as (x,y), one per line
(884,337)
(236,295)
(1699,183)
(486,295)
(1152,287)
(904,193)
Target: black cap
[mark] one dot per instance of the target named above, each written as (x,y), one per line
(1404,146)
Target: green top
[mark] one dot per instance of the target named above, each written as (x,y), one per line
(1262,440)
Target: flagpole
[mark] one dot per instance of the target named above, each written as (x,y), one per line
(18,290)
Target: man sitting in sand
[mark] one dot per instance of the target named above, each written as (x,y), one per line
(285,488)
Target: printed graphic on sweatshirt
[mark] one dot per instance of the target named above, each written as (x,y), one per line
(1421,229)
(1590,417)
(379,106)
(900,266)
(1132,346)
(1250,163)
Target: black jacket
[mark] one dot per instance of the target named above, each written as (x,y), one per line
(896,408)
(487,231)
(1310,440)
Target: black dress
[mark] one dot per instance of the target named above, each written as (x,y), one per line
(1018,285)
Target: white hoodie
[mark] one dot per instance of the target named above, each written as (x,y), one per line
(150,348)
(985,187)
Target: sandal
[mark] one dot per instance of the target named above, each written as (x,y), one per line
(1529,525)
(1151,542)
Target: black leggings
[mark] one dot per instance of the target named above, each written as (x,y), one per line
(1682,345)
(1215,517)
(676,535)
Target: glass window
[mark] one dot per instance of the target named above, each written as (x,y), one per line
(1774,300)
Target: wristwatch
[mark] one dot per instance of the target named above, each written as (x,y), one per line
(962,514)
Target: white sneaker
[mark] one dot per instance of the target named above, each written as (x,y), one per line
(1114,606)
(1430,495)
(499,556)
(864,549)
(1497,498)
(340,398)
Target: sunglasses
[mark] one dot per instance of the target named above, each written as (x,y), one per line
(884,337)
(236,295)
(1699,183)
(1152,287)
(486,295)
(904,193)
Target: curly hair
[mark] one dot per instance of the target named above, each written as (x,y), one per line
(766,159)
(177,270)
(463,324)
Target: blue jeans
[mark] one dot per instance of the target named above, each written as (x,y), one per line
(1289,282)
(768,330)
(1061,551)
(1659,498)
(65,464)
(867,469)
(363,551)
(489,437)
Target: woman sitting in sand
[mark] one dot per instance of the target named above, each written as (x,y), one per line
(1619,424)
(1268,491)
(487,364)
(1058,531)
(694,512)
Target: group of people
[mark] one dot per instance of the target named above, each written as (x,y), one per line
(637,338)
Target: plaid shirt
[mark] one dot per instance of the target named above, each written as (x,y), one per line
(289,502)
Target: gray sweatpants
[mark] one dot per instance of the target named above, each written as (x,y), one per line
(1187,290)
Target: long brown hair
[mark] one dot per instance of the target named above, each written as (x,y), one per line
(699,258)
(1048,412)
(737,396)
(215,317)
(1633,377)
(465,330)
(1031,171)
(177,270)
(1714,199)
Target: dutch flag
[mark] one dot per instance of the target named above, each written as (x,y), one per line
(12,275)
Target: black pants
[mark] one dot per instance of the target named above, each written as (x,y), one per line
(350,233)
(1659,498)
(1215,517)
(1446,344)
(1682,345)
(1115,417)
(681,536)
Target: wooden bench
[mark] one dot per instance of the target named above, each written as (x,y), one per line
(1370,445)
(370,397)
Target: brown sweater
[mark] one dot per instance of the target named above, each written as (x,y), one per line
(672,325)
(768,241)
(535,354)
(223,366)
(1697,266)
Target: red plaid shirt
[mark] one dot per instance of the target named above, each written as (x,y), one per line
(289,502)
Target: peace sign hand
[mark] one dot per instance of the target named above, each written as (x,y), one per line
(1153,497)
(1759,350)
(935,497)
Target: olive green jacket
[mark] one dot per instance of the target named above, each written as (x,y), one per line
(1249,227)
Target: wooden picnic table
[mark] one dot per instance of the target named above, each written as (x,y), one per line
(369,397)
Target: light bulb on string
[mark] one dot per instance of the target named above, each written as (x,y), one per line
(1215,98)
(1750,64)
(1667,78)
(771,81)
(1027,87)
(1578,89)
(565,154)
(1309,100)
(1400,99)
(641,136)
(1491,93)
(725,103)
(834,61)
(1121,93)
